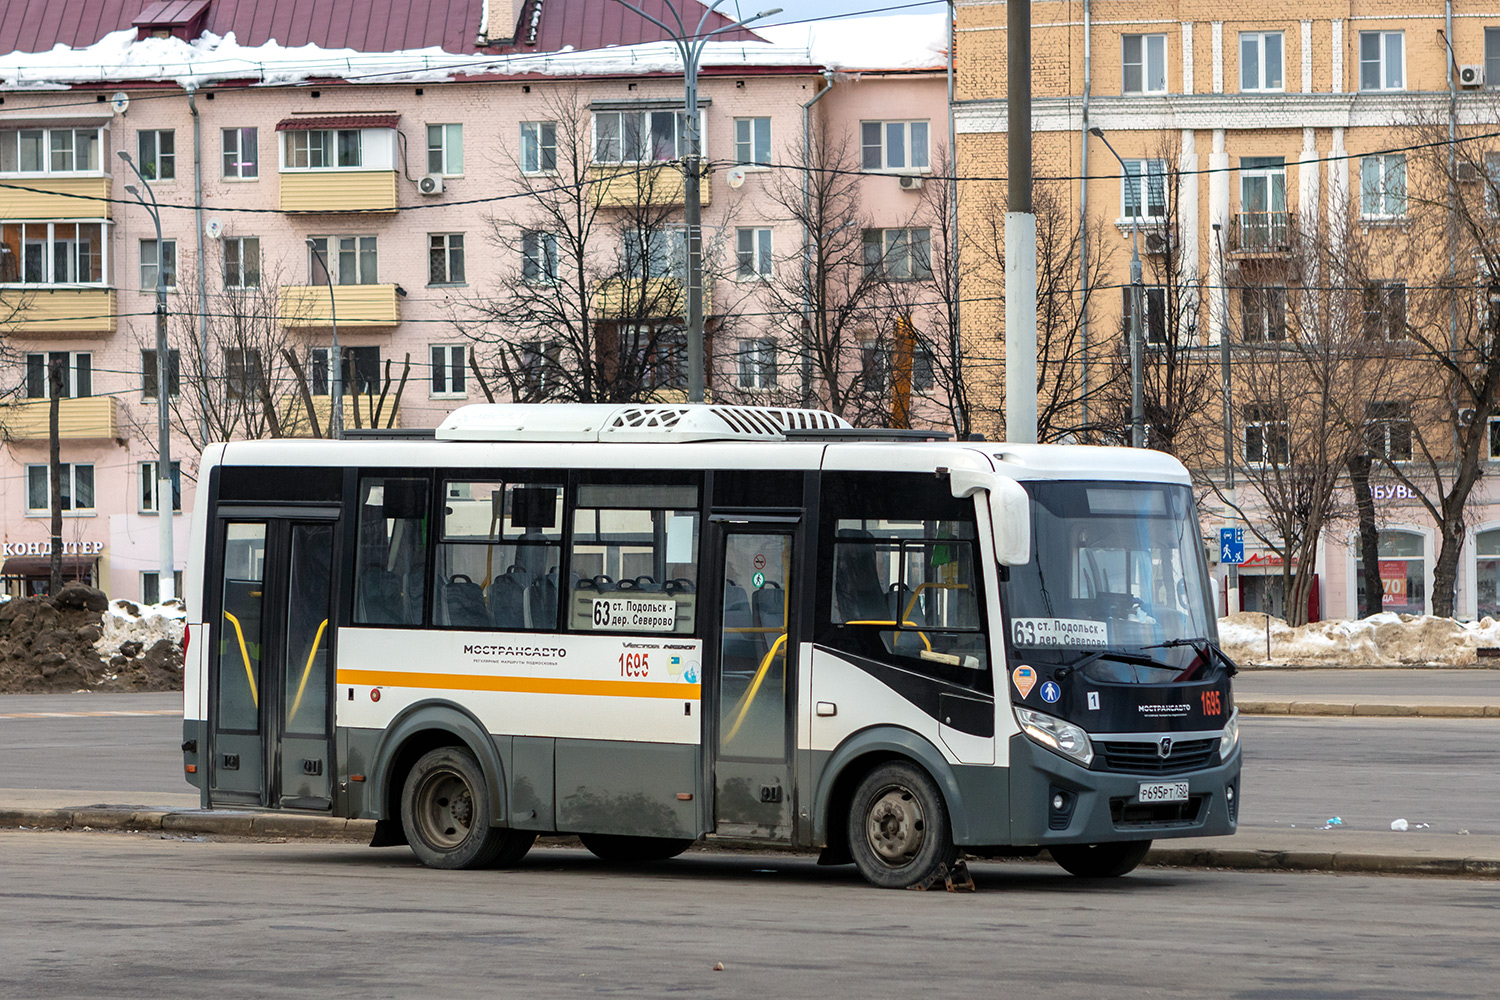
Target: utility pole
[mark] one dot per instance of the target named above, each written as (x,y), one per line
(1020,232)
(1137,289)
(54,465)
(335,377)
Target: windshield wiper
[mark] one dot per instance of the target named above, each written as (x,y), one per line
(1138,659)
(1205,647)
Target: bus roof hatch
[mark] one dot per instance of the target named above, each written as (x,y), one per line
(630,422)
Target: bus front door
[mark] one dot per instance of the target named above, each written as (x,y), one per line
(756,664)
(269,711)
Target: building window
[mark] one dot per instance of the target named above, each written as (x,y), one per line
(1263,313)
(923,368)
(538,258)
(1492,58)
(754,248)
(56,253)
(149,262)
(77,488)
(657,253)
(538,147)
(1145,64)
(157,150)
(1260,60)
(324,149)
(1263,218)
(360,376)
(1495,440)
(1403,572)
(445,259)
(874,367)
(151,586)
(1153,312)
(146,474)
(242,262)
(49,151)
(639,136)
(241,373)
(1266,437)
(148,374)
(241,154)
(77,374)
(1382,60)
(445,150)
(356,262)
(893,145)
(898,254)
(1382,186)
(1385,310)
(448,370)
(665,363)
(757,363)
(752,142)
(539,360)
(1388,431)
(1143,189)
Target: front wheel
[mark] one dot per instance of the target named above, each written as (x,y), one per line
(1101,860)
(622,850)
(898,827)
(445,811)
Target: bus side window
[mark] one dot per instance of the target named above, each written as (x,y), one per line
(391,562)
(498,564)
(638,543)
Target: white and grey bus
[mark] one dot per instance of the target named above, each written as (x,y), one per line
(650,624)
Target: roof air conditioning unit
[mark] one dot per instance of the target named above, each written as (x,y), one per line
(1471,76)
(909,182)
(431,184)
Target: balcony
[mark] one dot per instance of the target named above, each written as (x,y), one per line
(369,307)
(339,191)
(58,310)
(1261,234)
(56,198)
(627,186)
(645,298)
(294,421)
(92,418)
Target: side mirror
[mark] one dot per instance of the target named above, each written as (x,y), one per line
(1009,510)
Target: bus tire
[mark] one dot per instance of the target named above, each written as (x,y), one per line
(621,850)
(1100,860)
(445,811)
(898,827)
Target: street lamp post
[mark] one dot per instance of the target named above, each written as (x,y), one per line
(691,48)
(335,377)
(1137,409)
(166,588)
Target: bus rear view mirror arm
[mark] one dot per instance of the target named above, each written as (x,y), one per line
(1009,508)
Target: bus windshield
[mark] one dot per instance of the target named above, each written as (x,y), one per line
(1114,566)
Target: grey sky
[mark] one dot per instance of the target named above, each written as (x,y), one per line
(796,10)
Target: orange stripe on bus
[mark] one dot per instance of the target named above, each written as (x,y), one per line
(521,685)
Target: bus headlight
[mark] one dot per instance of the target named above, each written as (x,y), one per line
(1055,734)
(1230,737)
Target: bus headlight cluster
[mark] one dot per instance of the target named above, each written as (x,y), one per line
(1055,734)
(1230,737)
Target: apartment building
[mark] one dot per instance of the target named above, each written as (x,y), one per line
(395,180)
(1226,141)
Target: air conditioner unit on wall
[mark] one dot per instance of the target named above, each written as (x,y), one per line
(909,182)
(1471,76)
(1158,242)
(431,184)
(1465,173)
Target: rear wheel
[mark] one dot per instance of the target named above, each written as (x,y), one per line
(1101,860)
(445,811)
(623,850)
(898,827)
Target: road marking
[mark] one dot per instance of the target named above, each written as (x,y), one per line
(89,715)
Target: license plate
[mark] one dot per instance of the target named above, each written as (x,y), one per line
(1163,791)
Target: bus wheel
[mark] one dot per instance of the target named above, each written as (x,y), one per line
(445,810)
(1101,860)
(898,827)
(622,850)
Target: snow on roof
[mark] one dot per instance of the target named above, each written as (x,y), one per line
(851,44)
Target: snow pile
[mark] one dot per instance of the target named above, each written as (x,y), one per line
(896,41)
(1385,639)
(143,624)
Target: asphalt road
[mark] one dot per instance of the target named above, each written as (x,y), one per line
(126,916)
(1421,685)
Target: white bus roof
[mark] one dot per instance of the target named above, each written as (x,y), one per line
(633,422)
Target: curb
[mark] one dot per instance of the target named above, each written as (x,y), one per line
(271,826)
(1367,710)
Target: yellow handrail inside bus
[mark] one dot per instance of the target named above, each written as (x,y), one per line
(307,671)
(245,655)
(929,586)
(749,696)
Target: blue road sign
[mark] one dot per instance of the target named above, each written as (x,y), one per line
(1231,546)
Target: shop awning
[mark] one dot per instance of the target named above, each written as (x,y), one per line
(42,565)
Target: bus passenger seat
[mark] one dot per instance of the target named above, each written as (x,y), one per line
(769,605)
(380,597)
(541,601)
(463,602)
(857,589)
(508,598)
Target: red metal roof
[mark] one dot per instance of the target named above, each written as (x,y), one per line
(166,13)
(365,25)
(337,121)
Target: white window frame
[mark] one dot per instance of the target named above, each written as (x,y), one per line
(448,373)
(538,359)
(79,363)
(49,240)
(895,148)
(1261,301)
(298,144)
(320,366)
(1383,425)
(1388,166)
(1385,292)
(236,141)
(1153,304)
(169,249)
(755,261)
(69,470)
(1382,61)
(1254,423)
(1261,84)
(642,153)
(895,247)
(242,245)
(539,148)
(757,363)
(335,246)
(445,149)
(155,165)
(752,143)
(148,372)
(1495,438)
(1143,178)
(664,253)
(538,257)
(10,139)
(1150,82)
(151,581)
(447,247)
(145,494)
